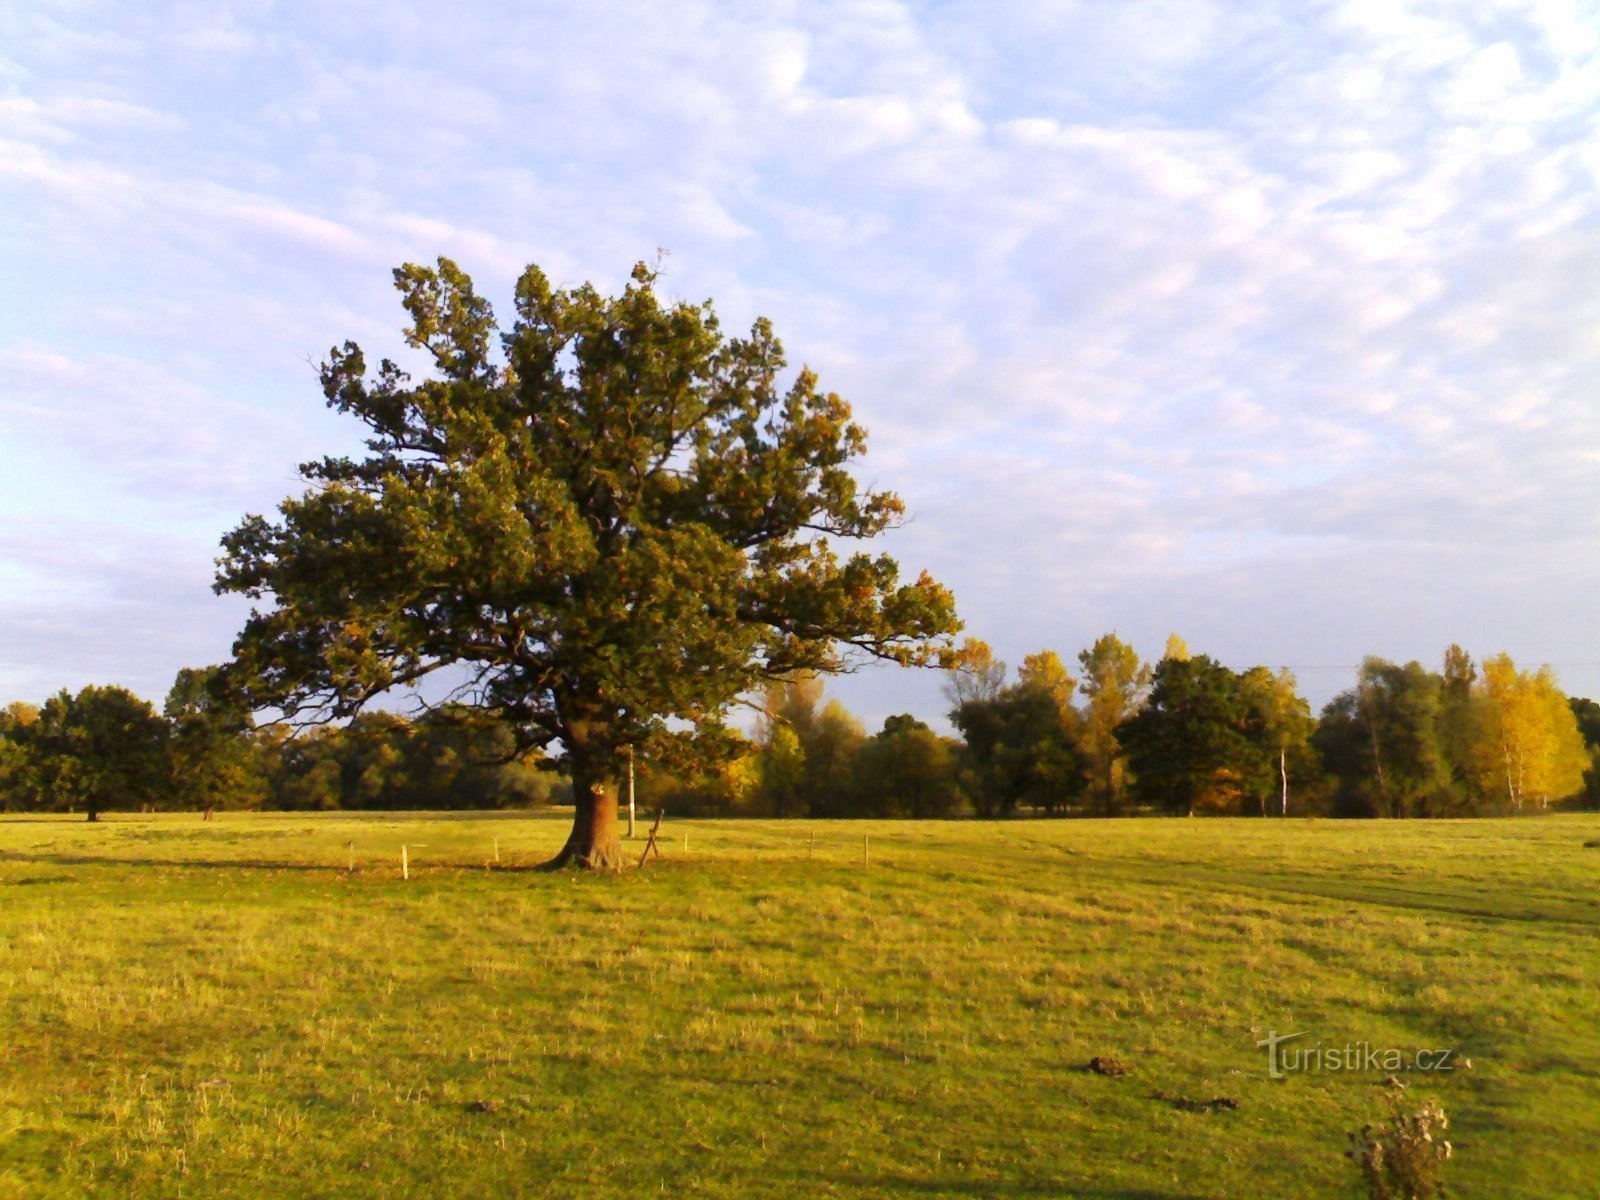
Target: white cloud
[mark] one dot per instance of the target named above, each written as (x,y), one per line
(1157,312)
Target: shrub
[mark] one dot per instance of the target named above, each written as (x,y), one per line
(1403,1158)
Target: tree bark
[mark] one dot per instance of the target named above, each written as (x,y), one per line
(1511,787)
(594,842)
(1283,775)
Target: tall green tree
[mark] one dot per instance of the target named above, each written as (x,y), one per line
(1279,726)
(310,775)
(17,790)
(832,784)
(908,770)
(214,760)
(789,716)
(1460,718)
(781,773)
(610,530)
(1587,714)
(1188,746)
(456,757)
(1020,749)
(103,748)
(1381,739)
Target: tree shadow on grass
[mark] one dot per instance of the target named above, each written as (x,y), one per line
(956,1187)
(885,1182)
(365,866)
(1454,901)
(200,864)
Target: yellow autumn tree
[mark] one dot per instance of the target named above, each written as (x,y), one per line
(1114,686)
(1526,744)
(1046,671)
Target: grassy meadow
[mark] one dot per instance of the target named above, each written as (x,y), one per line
(225,1009)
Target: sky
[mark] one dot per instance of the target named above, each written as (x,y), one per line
(1276,326)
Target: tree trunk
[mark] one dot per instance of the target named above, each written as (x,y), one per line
(1283,775)
(594,842)
(1377,760)
(1511,787)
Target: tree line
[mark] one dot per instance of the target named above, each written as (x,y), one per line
(1186,735)
(106,748)
(1117,736)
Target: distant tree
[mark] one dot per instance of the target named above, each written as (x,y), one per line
(312,778)
(1046,671)
(1459,672)
(1113,686)
(789,718)
(973,673)
(451,757)
(103,748)
(706,786)
(612,531)
(832,786)
(1460,720)
(374,761)
(1382,740)
(1187,747)
(1400,705)
(17,790)
(1587,713)
(1279,726)
(733,784)
(1529,745)
(908,770)
(1345,750)
(1020,750)
(795,702)
(781,773)
(214,760)
(458,757)
(17,715)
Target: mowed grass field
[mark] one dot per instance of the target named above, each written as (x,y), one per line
(224,1008)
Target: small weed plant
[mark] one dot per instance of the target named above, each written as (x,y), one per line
(1403,1158)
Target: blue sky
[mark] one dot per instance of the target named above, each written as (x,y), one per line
(1277,326)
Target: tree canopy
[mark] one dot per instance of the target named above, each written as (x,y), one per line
(1187,746)
(99,748)
(1114,685)
(604,533)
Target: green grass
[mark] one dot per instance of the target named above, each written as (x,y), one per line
(223,1009)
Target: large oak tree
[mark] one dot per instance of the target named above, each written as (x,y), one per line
(603,525)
